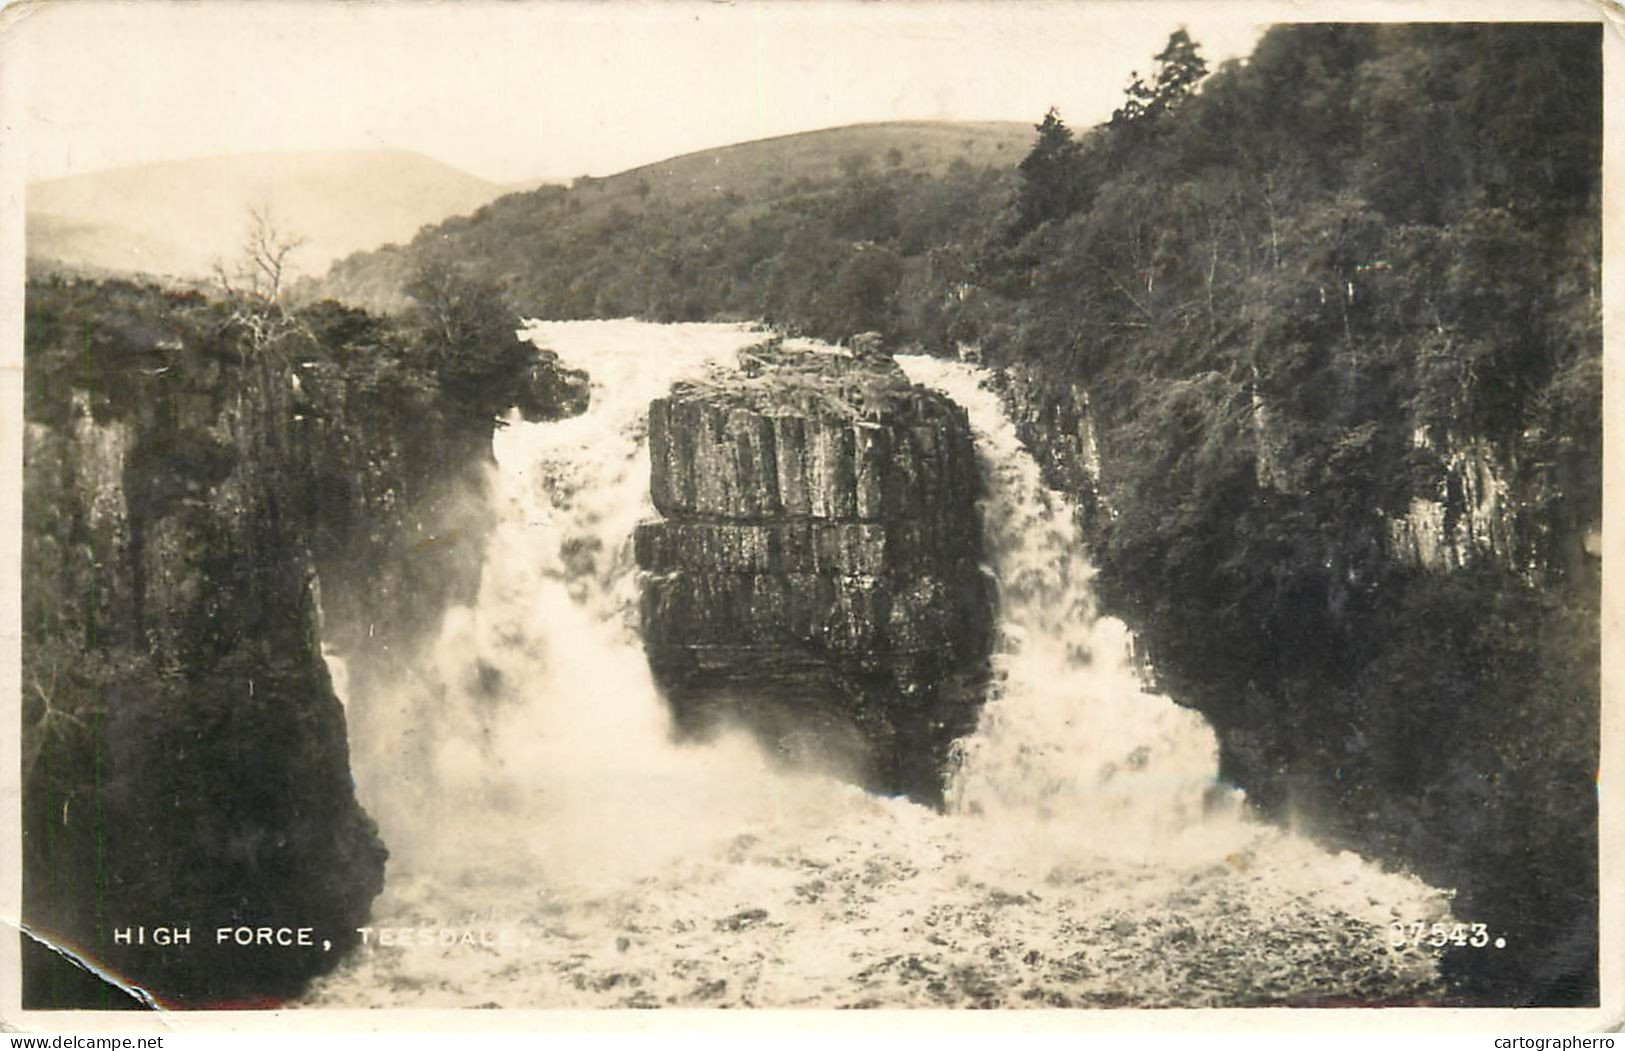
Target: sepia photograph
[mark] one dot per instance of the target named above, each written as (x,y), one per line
(1069,509)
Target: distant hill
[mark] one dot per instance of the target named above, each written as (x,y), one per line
(587,249)
(177,218)
(756,169)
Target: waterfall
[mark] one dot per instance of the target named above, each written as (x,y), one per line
(1070,733)
(560,848)
(536,710)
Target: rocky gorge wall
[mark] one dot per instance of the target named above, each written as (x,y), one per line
(189,759)
(1413,676)
(815,575)
(1469,515)
(190,508)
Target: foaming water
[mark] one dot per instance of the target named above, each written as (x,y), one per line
(541,733)
(526,780)
(1070,736)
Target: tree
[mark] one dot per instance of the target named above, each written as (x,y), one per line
(262,265)
(470,336)
(864,209)
(1179,67)
(866,290)
(254,285)
(1050,187)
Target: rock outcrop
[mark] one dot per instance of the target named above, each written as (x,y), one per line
(186,762)
(816,575)
(1337,601)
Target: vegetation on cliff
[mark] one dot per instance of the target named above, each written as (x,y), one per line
(192,466)
(1291,300)
(774,381)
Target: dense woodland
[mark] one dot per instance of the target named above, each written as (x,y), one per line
(1268,287)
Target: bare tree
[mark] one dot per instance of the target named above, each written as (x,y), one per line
(262,265)
(255,283)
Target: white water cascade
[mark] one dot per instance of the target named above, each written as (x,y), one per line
(551,846)
(1070,729)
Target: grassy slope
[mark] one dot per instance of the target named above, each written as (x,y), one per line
(729,187)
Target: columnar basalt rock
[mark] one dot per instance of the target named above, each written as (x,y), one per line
(815,575)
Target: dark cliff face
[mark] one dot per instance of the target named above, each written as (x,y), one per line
(188,505)
(189,760)
(815,576)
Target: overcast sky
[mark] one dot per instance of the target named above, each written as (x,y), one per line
(513,91)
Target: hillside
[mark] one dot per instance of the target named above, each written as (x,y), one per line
(704,234)
(177,218)
(757,169)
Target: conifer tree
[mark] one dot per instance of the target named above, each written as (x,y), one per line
(1049,174)
(1180,66)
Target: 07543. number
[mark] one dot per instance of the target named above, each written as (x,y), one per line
(1438,935)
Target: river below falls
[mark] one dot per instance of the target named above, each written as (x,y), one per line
(883,904)
(552,847)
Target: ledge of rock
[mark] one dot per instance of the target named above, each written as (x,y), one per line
(815,576)
(200,516)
